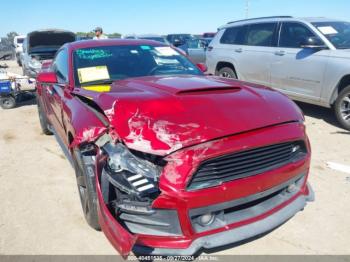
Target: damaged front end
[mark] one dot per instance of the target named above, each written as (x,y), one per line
(126,186)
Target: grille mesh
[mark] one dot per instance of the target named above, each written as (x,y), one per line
(245,163)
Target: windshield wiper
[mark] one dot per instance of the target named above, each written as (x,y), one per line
(99,82)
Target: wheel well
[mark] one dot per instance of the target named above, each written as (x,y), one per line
(344,82)
(221,65)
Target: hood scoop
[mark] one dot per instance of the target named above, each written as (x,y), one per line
(198,91)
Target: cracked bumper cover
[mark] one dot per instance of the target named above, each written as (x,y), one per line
(235,235)
(272,217)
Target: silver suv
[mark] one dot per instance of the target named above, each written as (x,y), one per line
(308,59)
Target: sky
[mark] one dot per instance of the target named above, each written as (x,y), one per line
(153,16)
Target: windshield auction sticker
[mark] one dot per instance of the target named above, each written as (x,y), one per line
(95,73)
(327,30)
(165,51)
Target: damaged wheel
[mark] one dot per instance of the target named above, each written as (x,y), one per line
(86,188)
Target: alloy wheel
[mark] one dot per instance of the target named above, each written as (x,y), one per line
(345,108)
(225,74)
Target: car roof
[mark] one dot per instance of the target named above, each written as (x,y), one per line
(277,19)
(319,19)
(111,42)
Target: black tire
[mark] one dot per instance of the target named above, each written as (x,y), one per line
(7,102)
(342,108)
(86,190)
(44,123)
(227,72)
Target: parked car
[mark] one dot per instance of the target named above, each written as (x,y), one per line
(18,46)
(307,59)
(42,45)
(208,35)
(157,38)
(195,49)
(83,38)
(179,39)
(151,138)
(129,36)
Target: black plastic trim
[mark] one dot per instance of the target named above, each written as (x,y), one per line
(241,201)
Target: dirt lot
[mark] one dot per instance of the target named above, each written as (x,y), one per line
(41,213)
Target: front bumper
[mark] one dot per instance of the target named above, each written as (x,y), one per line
(267,202)
(275,207)
(246,232)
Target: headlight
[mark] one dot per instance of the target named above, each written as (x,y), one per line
(121,159)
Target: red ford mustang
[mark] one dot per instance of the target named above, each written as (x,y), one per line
(169,161)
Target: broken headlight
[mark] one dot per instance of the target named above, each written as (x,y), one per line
(121,159)
(130,173)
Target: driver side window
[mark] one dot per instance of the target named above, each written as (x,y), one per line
(60,66)
(293,34)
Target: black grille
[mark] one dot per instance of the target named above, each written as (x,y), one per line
(242,164)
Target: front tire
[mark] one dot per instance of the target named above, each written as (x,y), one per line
(44,123)
(227,72)
(342,108)
(87,190)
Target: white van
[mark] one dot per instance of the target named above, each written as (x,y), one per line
(18,45)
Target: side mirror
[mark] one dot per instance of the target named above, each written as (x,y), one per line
(313,43)
(202,67)
(47,77)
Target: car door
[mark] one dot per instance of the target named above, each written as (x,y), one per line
(256,51)
(55,92)
(296,71)
(196,50)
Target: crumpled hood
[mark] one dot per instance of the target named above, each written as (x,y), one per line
(160,115)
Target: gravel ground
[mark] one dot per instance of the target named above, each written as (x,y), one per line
(41,213)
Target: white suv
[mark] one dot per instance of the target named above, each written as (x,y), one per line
(308,59)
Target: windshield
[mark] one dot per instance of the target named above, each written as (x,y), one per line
(20,40)
(338,33)
(109,63)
